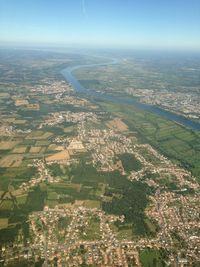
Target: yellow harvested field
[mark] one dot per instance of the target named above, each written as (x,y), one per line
(43,150)
(69,129)
(33,106)
(71,152)
(35,149)
(19,150)
(20,121)
(39,135)
(8,145)
(46,135)
(21,102)
(52,146)
(3,223)
(60,156)
(17,192)
(9,120)
(13,160)
(117,124)
(59,148)
(35,134)
(55,147)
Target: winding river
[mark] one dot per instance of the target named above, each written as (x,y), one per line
(78,87)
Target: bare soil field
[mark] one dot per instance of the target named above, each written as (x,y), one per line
(6,145)
(3,223)
(13,160)
(21,102)
(19,150)
(39,135)
(55,147)
(33,107)
(60,156)
(35,149)
(69,129)
(20,121)
(117,124)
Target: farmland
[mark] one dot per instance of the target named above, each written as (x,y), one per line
(35,149)
(13,160)
(19,150)
(84,180)
(118,125)
(60,156)
(7,145)
(151,258)
(173,140)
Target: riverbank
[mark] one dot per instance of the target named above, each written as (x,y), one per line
(176,142)
(78,87)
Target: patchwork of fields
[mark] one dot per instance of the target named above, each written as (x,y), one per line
(174,141)
(123,173)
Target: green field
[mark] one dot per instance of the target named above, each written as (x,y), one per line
(92,230)
(123,232)
(151,258)
(178,143)
(130,163)
(90,204)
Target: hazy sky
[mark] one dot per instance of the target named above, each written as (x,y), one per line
(106,23)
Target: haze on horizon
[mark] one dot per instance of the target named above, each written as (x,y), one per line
(155,24)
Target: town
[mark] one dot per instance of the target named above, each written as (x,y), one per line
(80,187)
(185,104)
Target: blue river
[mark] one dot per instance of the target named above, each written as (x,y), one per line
(78,87)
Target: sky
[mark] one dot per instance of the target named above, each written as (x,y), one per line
(168,24)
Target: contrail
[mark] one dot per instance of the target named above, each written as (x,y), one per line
(84,8)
